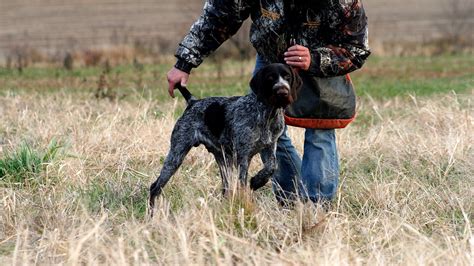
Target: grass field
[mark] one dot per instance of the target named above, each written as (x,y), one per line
(75,172)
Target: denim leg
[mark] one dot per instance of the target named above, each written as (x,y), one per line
(259,63)
(320,166)
(288,170)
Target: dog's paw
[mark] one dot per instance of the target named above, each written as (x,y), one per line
(256,183)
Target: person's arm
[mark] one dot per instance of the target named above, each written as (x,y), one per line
(349,48)
(219,21)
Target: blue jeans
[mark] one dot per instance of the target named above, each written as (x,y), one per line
(315,177)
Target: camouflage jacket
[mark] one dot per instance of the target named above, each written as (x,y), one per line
(335,31)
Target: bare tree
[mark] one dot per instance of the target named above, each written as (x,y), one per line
(457,29)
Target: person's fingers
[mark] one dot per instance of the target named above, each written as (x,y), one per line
(297,47)
(299,62)
(298,56)
(184,80)
(296,59)
(171,92)
(296,53)
(171,85)
(174,77)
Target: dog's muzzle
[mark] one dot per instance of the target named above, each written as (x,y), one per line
(281,90)
(282,95)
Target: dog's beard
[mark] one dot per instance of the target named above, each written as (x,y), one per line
(281,101)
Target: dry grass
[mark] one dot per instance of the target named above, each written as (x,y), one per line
(405,196)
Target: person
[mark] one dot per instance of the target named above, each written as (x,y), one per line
(324,40)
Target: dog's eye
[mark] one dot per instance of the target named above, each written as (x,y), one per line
(287,76)
(270,78)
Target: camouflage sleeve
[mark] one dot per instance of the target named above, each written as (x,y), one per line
(219,21)
(349,45)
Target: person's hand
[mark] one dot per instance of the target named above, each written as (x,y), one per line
(174,77)
(298,56)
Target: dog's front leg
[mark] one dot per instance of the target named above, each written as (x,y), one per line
(268,157)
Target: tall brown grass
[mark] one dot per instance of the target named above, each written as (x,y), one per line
(405,195)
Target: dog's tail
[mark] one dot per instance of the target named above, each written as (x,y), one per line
(186,94)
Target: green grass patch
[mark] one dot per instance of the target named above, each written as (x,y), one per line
(7,248)
(381,77)
(127,197)
(387,77)
(26,163)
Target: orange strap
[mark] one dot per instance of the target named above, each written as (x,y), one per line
(317,123)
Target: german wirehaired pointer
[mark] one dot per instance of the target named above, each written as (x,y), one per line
(234,129)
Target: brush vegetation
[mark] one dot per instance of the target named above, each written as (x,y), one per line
(405,194)
(26,164)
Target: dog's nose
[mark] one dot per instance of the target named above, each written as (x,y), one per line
(281,90)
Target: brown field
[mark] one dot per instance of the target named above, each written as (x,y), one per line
(75,166)
(405,196)
(55,25)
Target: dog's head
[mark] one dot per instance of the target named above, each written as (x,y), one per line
(276,85)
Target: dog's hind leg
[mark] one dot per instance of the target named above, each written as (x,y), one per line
(243,164)
(173,160)
(225,170)
(269,162)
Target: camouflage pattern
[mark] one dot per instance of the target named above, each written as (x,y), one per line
(335,31)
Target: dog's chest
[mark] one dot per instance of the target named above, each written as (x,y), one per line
(269,130)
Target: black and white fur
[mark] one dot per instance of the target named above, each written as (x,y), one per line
(234,129)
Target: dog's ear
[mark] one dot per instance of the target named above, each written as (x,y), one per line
(256,83)
(296,82)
